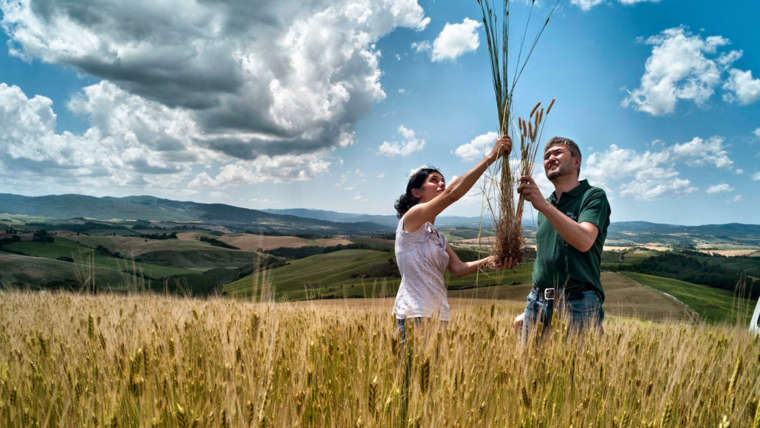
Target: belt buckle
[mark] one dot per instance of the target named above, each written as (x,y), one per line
(549,293)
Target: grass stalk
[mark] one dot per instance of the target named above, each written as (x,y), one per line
(509,240)
(139,360)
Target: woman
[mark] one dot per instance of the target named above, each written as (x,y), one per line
(422,253)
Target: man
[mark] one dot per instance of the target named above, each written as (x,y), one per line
(572,227)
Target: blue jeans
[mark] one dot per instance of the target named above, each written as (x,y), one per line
(583,310)
(401,327)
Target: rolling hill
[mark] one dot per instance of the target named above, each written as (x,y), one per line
(386,220)
(626,233)
(642,232)
(64,207)
(354,273)
(323,222)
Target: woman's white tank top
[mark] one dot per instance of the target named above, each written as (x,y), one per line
(422,258)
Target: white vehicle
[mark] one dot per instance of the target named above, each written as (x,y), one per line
(754,324)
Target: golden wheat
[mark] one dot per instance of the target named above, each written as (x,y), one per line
(182,362)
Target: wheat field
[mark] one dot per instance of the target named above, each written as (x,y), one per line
(146,360)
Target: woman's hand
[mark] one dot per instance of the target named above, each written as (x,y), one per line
(460,268)
(502,147)
(427,211)
(518,322)
(493,262)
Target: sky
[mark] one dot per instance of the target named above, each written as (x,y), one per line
(330,104)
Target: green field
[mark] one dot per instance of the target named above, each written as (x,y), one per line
(63,247)
(638,295)
(375,243)
(345,273)
(39,273)
(199,260)
(520,274)
(712,304)
(370,271)
(624,298)
(614,260)
(457,233)
(187,254)
(355,273)
(132,246)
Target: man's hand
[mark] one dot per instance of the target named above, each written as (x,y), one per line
(529,190)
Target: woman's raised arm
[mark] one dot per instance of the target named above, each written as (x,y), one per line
(427,211)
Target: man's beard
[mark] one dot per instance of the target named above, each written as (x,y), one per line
(559,172)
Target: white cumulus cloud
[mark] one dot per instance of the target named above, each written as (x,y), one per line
(255,78)
(249,92)
(131,141)
(743,88)
(422,46)
(756,176)
(587,5)
(413,170)
(456,40)
(644,176)
(757,132)
(410,143)
(654,174)
(682,66)
(699,151)
(648,190)
(719,188)
(688,67)
(477,147)
(264,169)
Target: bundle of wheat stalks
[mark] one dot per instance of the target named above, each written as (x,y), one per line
(508,220)
(530,136)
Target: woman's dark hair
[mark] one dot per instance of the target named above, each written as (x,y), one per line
(416,180)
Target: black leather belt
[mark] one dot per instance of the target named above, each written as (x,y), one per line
(551,293)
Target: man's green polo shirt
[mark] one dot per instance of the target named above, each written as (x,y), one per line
(561,265)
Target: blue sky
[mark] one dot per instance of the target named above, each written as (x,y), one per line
(331,104)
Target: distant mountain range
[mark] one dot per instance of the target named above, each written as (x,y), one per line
(63,207)
(642,232)
(386,220)
(634,231)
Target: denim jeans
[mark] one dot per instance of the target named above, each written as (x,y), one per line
(583,310)
(401,327)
